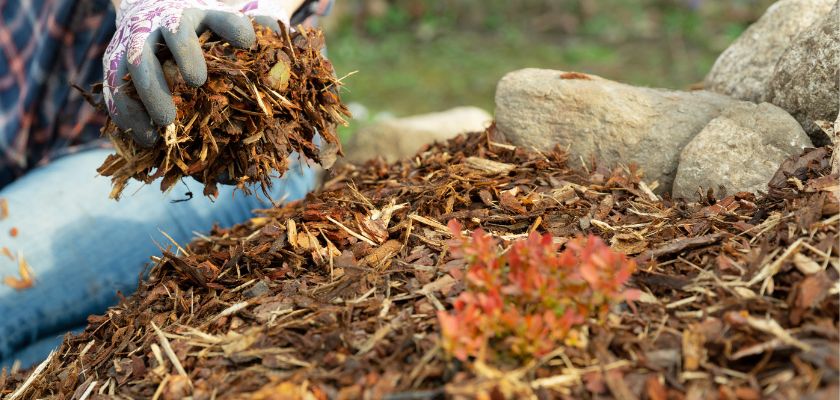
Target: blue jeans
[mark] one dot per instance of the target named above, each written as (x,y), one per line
(82,247)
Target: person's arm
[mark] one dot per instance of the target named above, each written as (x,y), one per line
(285,4)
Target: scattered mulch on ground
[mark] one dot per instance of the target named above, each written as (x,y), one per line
(257,107)
(336,296)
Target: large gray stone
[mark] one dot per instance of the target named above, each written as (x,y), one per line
(744,69)
(806,81)
(397,138)
(614,122)
(739,150)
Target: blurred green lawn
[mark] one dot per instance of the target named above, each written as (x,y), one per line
(417,56)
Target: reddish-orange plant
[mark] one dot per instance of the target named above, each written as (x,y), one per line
(527,301)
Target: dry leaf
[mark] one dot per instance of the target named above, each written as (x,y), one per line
(507,199)
(628,243)
(813,289)
(26,280)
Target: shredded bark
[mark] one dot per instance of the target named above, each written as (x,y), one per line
(336,296)
(257,107)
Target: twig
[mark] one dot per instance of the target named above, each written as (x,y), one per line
(167,349)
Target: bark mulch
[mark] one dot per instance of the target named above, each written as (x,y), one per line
(336,296)
(257,107)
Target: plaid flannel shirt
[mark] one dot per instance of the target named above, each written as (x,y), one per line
(45,47)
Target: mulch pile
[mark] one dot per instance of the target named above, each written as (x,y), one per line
(257,107)
(336,296)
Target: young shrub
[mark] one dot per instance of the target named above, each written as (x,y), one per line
(527,301)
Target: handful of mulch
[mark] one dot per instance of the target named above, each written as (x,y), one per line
(257,107)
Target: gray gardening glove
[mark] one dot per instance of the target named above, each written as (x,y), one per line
(141,24)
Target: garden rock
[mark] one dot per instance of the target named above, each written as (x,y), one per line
(743,70)
(402,137)
(610,121)
(739,150)
(806,81)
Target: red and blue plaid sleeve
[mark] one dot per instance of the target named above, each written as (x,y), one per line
(45,46)
(311,9)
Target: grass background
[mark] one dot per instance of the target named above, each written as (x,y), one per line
(417,56)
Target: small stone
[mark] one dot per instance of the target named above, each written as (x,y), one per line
(739,150)
(399,138)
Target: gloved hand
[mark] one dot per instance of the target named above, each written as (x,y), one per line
(141,24)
